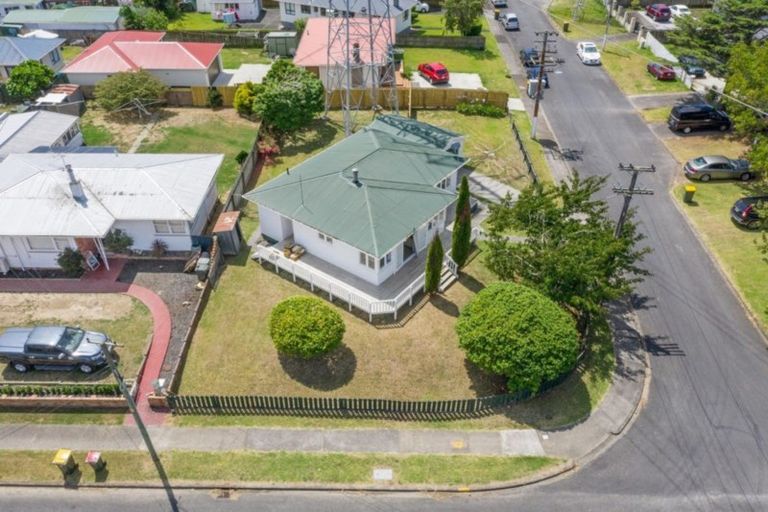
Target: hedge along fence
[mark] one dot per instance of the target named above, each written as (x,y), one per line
(457,42)
(423,98)
(239,39)
(45,389)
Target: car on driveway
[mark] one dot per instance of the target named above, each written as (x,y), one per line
(679,10)
(746,211)
(660,71)
(709,167)
(692,66)
(52,348)
(434,73)
(532,73)
(695,116)
(658,12)
(499,4)
(422,7)
(588,53)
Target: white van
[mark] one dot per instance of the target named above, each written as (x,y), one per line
(510,21)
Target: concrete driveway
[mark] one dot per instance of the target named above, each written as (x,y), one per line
(458,81)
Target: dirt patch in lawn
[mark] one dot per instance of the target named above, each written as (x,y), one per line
(66,307)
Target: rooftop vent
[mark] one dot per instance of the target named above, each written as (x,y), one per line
(356,177)
(78,194)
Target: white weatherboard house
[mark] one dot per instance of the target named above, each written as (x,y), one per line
(27,131)
(245,10)
(400,10)
(369,204)
(52,201)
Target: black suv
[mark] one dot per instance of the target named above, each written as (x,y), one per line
(685,118)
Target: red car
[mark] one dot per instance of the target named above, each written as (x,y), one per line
(434,73)
(658,12)
(660,71)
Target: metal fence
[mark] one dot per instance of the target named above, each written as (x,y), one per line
(526,156)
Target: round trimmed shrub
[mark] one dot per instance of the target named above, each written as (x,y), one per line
(305,327)
(515,331)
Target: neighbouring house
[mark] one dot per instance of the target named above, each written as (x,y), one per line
(399,10)
(175,64)
(7,6)
(370,203)
(243,10)
(51,201)
(313,55)
(87,22)
(15,50)
(25,132)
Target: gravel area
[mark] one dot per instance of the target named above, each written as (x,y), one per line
(167,279)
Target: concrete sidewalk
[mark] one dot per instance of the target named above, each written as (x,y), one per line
(104,438)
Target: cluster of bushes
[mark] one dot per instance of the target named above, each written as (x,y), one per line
(61,390)
(480,108)
(305,327)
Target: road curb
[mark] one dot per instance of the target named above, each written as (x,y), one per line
(542,476)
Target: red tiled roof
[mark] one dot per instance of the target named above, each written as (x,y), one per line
(130,50)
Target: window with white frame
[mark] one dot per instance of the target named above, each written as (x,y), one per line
(325,238)
(323,11)
(306,9)
(47,243)
(444,183)
(170,227)
(367,259)
(55,56)
(290,8)
(385,260)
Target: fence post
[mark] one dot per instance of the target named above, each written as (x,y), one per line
(311,281)
(349,300)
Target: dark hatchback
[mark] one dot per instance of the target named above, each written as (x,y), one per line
(746,211)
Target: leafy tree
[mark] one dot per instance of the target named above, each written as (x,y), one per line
(462,15)
(299,25)
(122,88)
(169,8)
(289,99)
(215,100)
(711,36)
(71,262)
(461,243)
(244,96)
(118,241)
(29,79)
(305,327)
(143,18)
(515,331)
(434,268)
(570,253)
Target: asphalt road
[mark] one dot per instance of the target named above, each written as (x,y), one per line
(698,445)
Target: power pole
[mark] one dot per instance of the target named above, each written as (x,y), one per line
(628,192)
(607,23)
(539,82)
(106,349)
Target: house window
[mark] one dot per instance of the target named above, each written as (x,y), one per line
(325,238)
(232,6)
(70,134)
(367,259)
(55,57)
(385,259)
(314,9)
(443,183)
(322,11)
(405,15)
(47,243)
(170,227)
(290,9)
(306,9)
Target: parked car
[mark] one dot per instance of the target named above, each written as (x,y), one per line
(52,348)
(679,10)
(660,71)
(658,12)
(746,211)
(588,53)
(434,73)
(533,74)
(509,21)
(499,3)
(692,66)
(696,116)
(709,167)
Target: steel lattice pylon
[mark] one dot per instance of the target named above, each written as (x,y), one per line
(360,57)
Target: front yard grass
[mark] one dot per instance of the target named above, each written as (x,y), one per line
(196,21)
(591,24)
(336,468)
(232,58)
(626,62)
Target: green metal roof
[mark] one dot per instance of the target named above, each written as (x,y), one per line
(85,14)
(414,131)
(395,194)
(20,2)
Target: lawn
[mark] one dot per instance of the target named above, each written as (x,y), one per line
(431,25)
(61,418)
(331,468)
(625,62)
(488,63)
(655,115)
(68,53)
(126,320)
(232,58)
(591,24)
(94,134)
(196,21)
(733,246)
(685,147)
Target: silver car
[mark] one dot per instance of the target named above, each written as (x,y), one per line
(705,168)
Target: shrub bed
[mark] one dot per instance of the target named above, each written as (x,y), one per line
(480,109)
(61,390)
(305,327)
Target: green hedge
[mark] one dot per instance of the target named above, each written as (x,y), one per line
(480,109)
(305,327)
(60,390)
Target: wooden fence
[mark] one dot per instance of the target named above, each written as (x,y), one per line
(457,42)
(239,39)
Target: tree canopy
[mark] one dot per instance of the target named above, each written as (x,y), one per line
(120,89)
(462,15)
(515,331)
(569,253)
(305,327)
(29,79)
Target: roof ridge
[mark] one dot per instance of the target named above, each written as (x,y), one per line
(165,193)
(18,50)
(370,222)
(183,47)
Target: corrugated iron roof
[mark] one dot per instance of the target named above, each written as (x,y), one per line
(313,46)
(85,14)
(21,133)
(15,50)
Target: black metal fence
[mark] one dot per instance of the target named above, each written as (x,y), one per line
(526,156)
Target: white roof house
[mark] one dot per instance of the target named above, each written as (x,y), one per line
(399,10)
(21,133)
(49,201)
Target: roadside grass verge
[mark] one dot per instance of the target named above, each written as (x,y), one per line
(329,468)
(625,62)
(685,147)
(734,247)
(655,115)
(61,418)
(232,58)
(591,24)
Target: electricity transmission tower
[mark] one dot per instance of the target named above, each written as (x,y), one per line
(628,192)
(361,59)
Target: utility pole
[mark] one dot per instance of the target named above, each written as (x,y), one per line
(628,192)
(607,23)
(539,82)
(106,349)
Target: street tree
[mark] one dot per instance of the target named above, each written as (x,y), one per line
(569,252)
(462,15)
(123,89)
(461,243)
(29,79)
(434,266)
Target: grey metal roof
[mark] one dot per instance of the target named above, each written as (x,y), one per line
(21,133)
(15,50)
(396,191)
